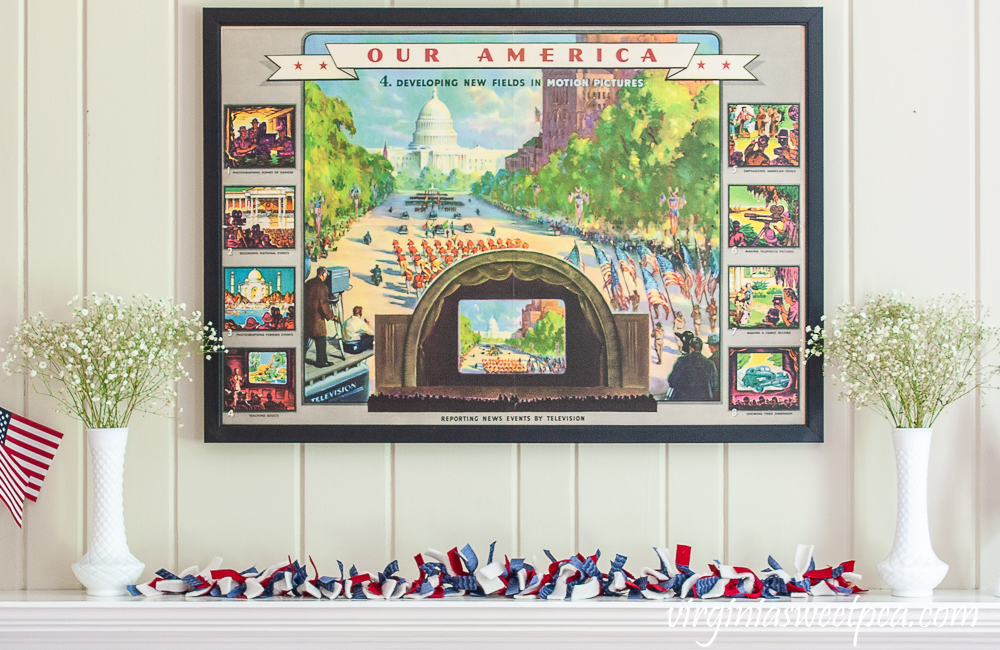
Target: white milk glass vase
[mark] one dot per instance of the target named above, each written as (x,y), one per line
(108,564)
(912,570)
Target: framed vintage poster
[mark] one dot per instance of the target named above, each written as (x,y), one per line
(513,225)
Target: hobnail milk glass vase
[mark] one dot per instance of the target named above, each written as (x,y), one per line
(108,565)
(912,569)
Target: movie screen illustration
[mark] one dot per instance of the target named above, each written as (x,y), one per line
(763,379)
(764,297)
(260,298)
(260,137)
(512,336)
(259,217)
(763,216)
(763,135)
(259,380)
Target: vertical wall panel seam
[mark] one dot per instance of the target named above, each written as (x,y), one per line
(82,196)
(23,170)
(851,419)
(576,496)
(666,495)
(22,205)
(392,500)
(725,503)
(517,501)
(296,509)
(175,272)
(175,542)
(977,210)
(302,500)
(82,280)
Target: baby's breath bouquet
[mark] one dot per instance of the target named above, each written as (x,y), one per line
(114,357)
(907,362)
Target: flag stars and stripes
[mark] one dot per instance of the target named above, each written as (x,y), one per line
(26,452)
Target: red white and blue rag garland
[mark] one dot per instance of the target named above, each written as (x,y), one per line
(458,573)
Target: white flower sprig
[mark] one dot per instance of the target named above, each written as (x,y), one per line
(907,362)
(114,357)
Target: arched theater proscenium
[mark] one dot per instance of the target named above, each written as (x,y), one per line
(529,268)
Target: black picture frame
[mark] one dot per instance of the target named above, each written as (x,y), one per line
(811,19)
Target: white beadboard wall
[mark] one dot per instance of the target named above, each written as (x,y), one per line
(102,183)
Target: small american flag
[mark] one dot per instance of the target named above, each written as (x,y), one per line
(628,266)
(700,285)
(665,265)
(654,295)
(605,264)
(611,281)
(26,451)
(575,258)
(648,260)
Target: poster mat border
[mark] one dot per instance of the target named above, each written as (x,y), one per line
(215,19)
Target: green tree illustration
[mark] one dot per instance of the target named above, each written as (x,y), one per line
(468,337)
(333,164)
(656,137)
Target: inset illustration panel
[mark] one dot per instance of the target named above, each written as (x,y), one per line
(764,297)
(259,380)
(260,298)
(764,216)
(764,379)
(763,135)
(260,137)
(259,217)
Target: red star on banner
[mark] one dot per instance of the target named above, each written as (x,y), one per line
(298,66)
(701,65)
(725,65)
(322,65)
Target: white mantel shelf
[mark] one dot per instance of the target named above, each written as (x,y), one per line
(41,619)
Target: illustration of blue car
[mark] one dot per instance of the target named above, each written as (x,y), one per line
(758,378)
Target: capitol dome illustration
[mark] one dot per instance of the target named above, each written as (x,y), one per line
(435,128)
(435,145)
